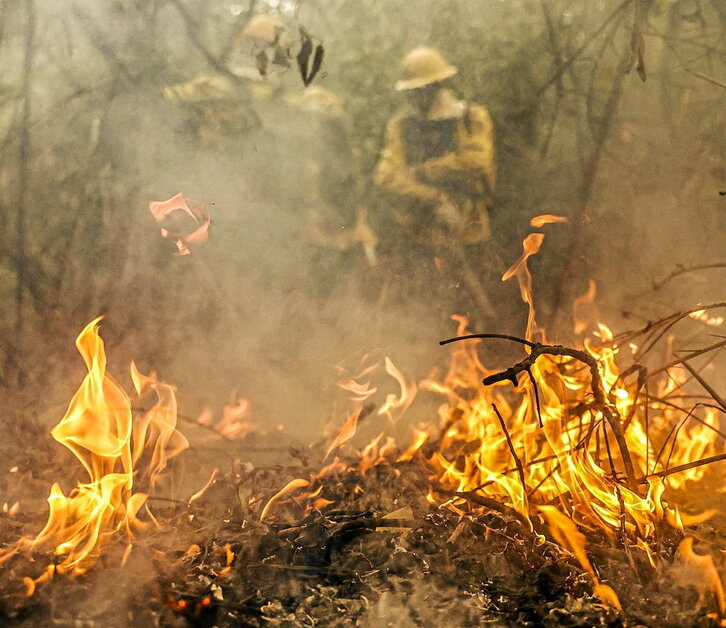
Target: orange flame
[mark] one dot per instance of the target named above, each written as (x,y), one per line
(546,219)
(99,429)
(705,565)
(531,246)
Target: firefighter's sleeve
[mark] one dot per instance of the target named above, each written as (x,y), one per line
(392,172)
(475,157)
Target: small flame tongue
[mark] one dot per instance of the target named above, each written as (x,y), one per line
(531,246)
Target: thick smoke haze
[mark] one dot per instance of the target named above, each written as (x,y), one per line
(258,311)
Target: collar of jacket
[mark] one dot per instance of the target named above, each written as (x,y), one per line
(445,106)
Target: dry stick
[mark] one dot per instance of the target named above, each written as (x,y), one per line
(517,461)
(631,335)
(683,467)
(536,397)
(613,471)
(716,397)
(682,271)
(690,356)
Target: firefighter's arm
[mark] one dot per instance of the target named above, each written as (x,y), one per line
(392,172)
(475,157)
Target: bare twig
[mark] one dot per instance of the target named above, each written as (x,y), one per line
(684,467)
(563,67)
(631,335)
(716,397)
(690,356)
(513,451)
(708,79)
(682,271)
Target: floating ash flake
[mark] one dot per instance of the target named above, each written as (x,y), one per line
(178,207)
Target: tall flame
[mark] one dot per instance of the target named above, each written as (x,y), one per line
(100,430)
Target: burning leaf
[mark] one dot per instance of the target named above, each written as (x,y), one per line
(308,72)
(178,206)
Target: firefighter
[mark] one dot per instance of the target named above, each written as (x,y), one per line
(336,217)
(337,233)
(438,164)
(223,102)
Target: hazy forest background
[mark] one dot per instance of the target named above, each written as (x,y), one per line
(608,112)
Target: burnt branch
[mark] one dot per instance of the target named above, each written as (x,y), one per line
(599,403)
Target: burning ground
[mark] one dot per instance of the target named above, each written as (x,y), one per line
(577,486)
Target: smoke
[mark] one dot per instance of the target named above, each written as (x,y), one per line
(261,312)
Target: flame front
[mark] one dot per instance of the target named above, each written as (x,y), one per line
(576,444)
(100,430)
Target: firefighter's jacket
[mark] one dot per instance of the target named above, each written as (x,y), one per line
(449,152)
